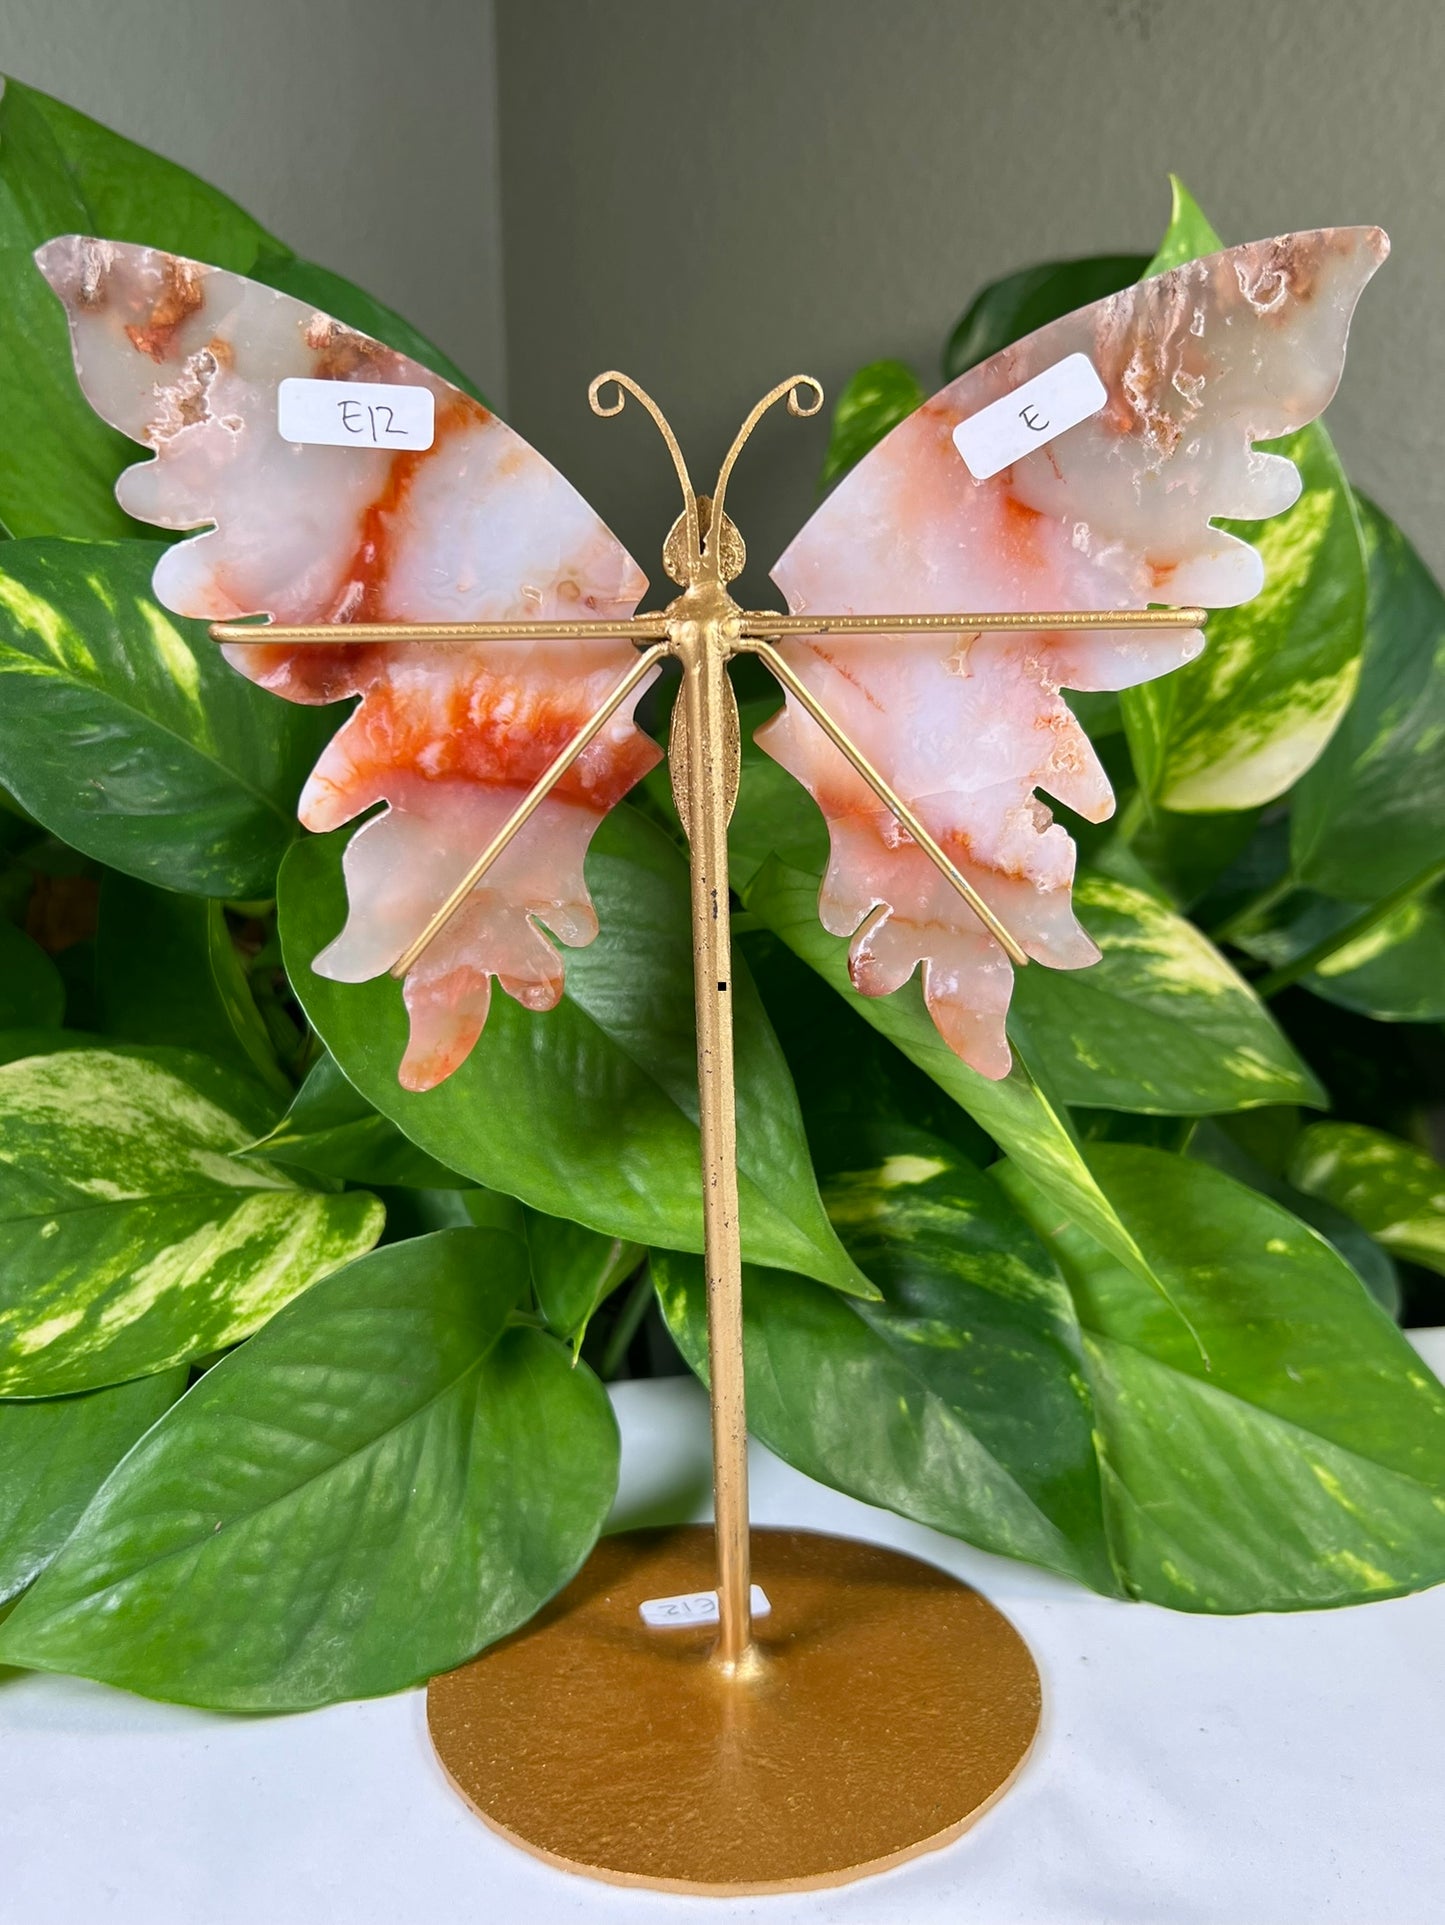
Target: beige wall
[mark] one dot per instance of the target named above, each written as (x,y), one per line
(361,131)
(711,195)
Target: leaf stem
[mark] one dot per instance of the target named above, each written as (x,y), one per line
(1258,905)
(625,1329)
(1368,919)
(1132,817)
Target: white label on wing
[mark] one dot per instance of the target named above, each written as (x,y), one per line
(694,1607)
(1058,399)
(355,414)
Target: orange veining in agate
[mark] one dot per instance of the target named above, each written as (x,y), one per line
(1198,365)
(187,359)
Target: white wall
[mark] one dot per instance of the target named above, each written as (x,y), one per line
(362,132)
(712,193)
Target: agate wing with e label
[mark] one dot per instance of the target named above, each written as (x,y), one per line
(187,359)
(1116,513)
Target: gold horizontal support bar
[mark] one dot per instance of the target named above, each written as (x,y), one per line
(533,800)
(766,627)
(759,626)
(891,800)
(329,634)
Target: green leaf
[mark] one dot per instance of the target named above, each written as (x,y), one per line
(1370,815)
(1390,967)
(1189,236)
(575,1269)
(331,1130)
(1237,726)
(1160,1023)
(1300,1468)
(1389,1188)
(125,733)
(130,1237)
(589,1111)
(344,301)
(774,813)
(168,972)
(1009,309)
(61,173)
(844,1069)
(959,1400)
(55,1453)
(31,992)
(1017,1112)
(389,1476)
(876,399)
(1186,855)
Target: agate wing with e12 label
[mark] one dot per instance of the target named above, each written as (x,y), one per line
(1113,510)
(418,505)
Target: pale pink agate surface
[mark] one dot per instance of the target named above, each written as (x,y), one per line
(187,359)
(1199,363)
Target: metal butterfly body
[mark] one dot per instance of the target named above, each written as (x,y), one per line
(958,729)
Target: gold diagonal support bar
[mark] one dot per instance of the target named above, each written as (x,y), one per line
(536,795)
(773,627)
(889,797)
(353,634)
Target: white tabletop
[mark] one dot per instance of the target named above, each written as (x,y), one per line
(1190,1771)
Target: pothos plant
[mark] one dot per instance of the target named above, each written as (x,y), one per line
(249,1460)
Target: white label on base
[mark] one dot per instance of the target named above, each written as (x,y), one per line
(1052,402)
(355,414)
(694,1607)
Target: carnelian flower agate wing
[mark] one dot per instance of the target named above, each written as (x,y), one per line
(187,359)
(1198,364)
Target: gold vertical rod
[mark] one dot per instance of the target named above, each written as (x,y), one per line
(530,803)
(706,692)
(889,798)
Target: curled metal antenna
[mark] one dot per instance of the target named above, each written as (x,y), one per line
(805,397)
(625,385)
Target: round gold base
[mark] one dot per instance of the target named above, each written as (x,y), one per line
(889,1708)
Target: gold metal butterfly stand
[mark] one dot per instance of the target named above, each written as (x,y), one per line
(884,1706)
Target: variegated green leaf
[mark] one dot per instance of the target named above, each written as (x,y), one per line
(130,1235)
(395,1472)
(1241,723)
(55,1453)
(124,732)
(1389,1188)
(1300,1462)
(960,1399)
(1369,818)
(1160,1023)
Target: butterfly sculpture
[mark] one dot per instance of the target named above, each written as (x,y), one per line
(924,742)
